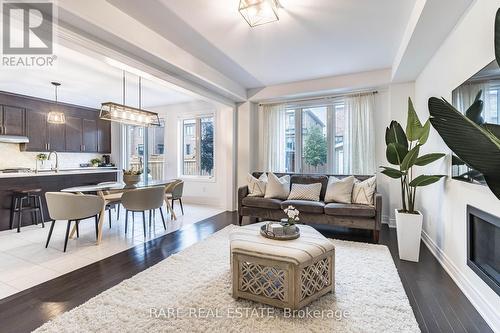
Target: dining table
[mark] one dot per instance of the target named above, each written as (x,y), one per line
(111,192)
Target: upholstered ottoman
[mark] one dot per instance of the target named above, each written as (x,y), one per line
(285,274)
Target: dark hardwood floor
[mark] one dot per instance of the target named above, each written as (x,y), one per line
(438,304)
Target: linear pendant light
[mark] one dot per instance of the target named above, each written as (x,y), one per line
(129,115)
(56,117)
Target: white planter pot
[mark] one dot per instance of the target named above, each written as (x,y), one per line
(409,231)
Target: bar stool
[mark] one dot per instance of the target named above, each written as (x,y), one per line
(18,197)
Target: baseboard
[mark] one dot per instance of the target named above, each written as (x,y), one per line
(477,300)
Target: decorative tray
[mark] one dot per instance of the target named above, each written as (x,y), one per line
(285,236)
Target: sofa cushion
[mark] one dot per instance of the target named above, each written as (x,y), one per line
(304,206)
(340,209)
(277,188)
(309,192)
(260,202)
(362,192)
(339,190)
(257,186)
(311,179)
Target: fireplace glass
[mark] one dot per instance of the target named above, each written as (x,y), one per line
(484,246)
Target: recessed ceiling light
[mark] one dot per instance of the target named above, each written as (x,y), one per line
(258,12)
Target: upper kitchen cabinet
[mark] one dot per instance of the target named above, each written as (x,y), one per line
(74,134)
(36,130)
(12,120)
(104,136)
(82,132)
(89,135)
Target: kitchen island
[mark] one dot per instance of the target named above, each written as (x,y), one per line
(48,181)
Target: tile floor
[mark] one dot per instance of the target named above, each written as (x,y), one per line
(25,262)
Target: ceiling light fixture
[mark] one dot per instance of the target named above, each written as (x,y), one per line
(129,115)
(258,12)
(56,117)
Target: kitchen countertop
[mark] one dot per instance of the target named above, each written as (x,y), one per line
(75,171)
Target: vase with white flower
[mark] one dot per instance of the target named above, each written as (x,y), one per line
(292,218)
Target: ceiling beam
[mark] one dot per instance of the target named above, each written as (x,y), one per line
(126,35)
(429,25)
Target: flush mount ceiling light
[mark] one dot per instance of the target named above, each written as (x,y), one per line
(258,12)
(56,117)
(129,115)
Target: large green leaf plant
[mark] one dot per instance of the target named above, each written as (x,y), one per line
(403,150)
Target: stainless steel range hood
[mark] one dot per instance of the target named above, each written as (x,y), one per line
(14,139)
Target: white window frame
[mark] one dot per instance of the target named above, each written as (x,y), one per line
(330,132)
(180,166)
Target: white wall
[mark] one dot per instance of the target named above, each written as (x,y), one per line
(467,49)
(219,190)
(247,152)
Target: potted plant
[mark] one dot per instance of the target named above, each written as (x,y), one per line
(131,177)
(403,150)
(40,158)
(95,162)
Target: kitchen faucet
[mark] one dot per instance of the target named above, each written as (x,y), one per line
(56,169)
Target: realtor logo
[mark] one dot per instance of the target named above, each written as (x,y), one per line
(27,28)
(28,34)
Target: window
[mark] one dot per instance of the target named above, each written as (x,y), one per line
(314,141)
(316,135)
(198,146)
(145,146)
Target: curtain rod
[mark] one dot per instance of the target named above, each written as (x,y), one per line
(362,93)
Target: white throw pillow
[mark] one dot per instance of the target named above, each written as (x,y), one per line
(277,188)
(309,192)
(362,192)
(257,187)
(339,190)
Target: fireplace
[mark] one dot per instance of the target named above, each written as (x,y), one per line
(483,246)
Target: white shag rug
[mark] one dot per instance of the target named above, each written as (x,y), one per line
(191,292)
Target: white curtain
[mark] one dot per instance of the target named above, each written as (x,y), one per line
(273,137)
(359,135)
(464,96)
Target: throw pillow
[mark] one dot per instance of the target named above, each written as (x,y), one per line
(277,188)
(309,192)
(257,187)
(362,192)
(339,190)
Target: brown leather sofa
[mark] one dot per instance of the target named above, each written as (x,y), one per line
(313,212)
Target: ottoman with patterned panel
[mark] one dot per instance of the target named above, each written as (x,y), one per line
(285,274)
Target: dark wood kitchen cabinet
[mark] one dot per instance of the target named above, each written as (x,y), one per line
(89,135)
(12,120)
(103,136)
(74,134)
(56,134)
(83,131)
(36,130)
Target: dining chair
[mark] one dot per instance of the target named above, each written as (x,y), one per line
(173,191)
(113,200)
(72,207)
(142,200)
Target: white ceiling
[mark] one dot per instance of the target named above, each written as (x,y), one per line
(87,81)
(313,39)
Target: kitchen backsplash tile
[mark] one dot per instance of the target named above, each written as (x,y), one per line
(13,157)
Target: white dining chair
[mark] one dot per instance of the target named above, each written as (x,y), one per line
(142,200)
(72,207)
